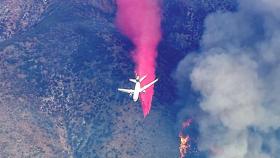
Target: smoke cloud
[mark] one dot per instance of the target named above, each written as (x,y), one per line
(237,76)
(140,21)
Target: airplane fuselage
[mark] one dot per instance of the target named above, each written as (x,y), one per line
(136,91)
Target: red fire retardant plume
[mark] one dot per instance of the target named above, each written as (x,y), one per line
(140,21)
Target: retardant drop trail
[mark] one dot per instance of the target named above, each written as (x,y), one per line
(140,21)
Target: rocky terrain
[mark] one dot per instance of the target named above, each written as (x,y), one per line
(61,62)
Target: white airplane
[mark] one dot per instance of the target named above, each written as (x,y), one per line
(137,89)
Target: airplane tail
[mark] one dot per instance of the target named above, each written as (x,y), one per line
(143,78)
(137,77)
(132,80)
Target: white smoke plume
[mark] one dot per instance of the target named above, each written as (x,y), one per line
(237,74)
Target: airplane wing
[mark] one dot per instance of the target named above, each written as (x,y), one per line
(126,90)
(148,85)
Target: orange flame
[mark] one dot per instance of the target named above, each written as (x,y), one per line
(184,140)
